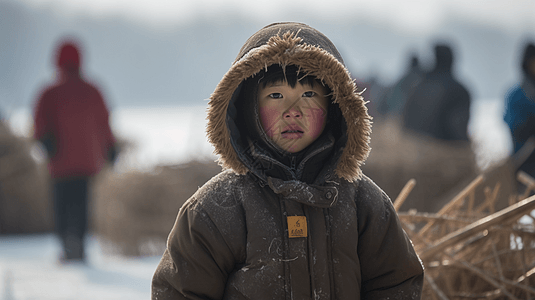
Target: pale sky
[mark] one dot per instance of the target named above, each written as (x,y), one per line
(421,15)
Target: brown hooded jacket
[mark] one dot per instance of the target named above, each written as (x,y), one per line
(232,238)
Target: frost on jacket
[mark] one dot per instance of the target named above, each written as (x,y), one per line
(231,238)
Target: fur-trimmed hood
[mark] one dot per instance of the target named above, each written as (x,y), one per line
(293,44)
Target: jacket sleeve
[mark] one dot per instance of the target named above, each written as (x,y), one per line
(390,267)
(518,116)
(197,260)
(41,121)
(524,120)
(43,127)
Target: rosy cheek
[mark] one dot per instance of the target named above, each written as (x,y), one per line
(317,121)
(269,118)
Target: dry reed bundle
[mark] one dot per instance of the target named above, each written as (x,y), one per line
(471,250)
(24,187)
(134,212)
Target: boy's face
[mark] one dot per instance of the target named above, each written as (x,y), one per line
(295,117)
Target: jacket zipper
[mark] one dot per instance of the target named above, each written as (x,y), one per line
(287,277)
(327,214)
(292,164)
(310,255)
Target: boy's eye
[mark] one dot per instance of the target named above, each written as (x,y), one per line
(309,94)
(275,95)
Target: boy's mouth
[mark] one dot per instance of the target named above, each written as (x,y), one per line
(292,134)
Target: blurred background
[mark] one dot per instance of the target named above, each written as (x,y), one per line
(170,54)
(157,62)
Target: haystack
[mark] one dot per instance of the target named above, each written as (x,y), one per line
(133,212)
(25,204)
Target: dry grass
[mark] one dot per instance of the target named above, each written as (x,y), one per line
(471,250)
(134,212)
(25,205)
(464,223)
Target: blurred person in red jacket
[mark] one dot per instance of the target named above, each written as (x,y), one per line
(71,121)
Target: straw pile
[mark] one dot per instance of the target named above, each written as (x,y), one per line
(465,227)
(472,251)
(134,212)
(25,204)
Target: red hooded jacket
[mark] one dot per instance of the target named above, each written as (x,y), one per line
(72,117)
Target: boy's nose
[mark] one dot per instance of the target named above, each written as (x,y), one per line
(293,112)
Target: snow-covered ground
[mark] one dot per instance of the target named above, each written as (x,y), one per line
(29,270)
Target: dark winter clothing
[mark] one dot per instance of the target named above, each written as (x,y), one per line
(395,98)
(70,211)
(520,110)
(71,120)
(439,106)
(234,238)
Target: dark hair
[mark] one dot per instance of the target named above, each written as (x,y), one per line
(291,74)
(443,57)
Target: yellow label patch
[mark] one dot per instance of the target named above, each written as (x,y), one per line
(297,226)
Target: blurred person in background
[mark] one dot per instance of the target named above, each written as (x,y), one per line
(520,108)
(394,99)
(71,121)
(439,106)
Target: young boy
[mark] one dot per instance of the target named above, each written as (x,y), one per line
(292,216)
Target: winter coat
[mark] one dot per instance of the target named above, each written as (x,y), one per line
(519,114)
(265,230)
(71,119)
